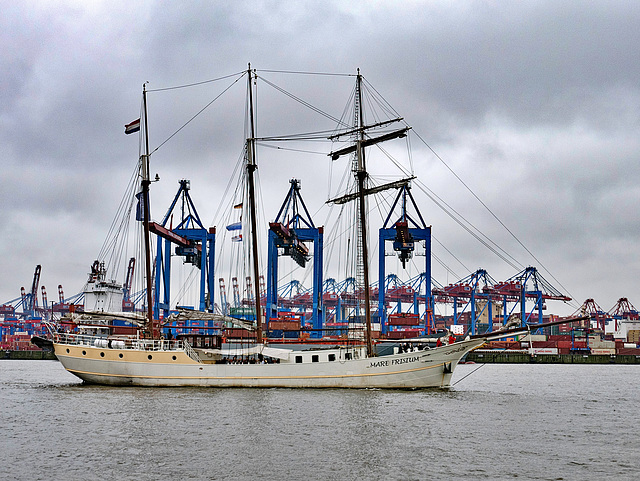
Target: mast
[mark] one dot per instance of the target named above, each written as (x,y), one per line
(361,174)
(251,168)
(359,168)
(146,218)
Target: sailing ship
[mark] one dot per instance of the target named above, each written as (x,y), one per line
(145,359)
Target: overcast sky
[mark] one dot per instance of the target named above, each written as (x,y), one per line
(534,105)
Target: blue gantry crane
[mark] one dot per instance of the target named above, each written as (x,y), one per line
(465,293)
(404,232)
(530,285)
(287,236)
(194,243)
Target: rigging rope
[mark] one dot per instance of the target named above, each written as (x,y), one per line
(330,74)
(303,102)
(464,377)
(197,83)
(470,228)
(372,96)
(196,115)
(491,212)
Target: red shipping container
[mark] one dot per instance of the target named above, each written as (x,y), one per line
(240,333)
(628,352)
(403,319)
(285,325)
(403,334)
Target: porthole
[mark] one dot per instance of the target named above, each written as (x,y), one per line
(174,357)
(68,351)
(120,356)
(102,354)
(84,353)
(149,357)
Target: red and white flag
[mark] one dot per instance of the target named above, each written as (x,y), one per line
(132,127)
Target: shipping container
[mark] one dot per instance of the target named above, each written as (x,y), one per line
(628,352)
(284,325)
(544,350)
(602,351)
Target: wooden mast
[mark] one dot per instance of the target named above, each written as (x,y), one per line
(361,174)
(149,328)
(251,168)
(362,191)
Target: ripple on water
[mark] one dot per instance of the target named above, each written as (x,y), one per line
(538,422)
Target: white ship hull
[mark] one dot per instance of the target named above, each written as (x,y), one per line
(428,368)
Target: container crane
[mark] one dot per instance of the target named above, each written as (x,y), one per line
(623,309)
(249,301)
(403,232)
(127,304)
(591,308)
(29,300)
(293,227)
(45,301)
(468,291)
(223,297)
(625,316)
(236,292)
(532,286)
(194,243)
(62,307)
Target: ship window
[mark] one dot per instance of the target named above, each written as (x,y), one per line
(68,351)
(120,355)
(314,358)
(84,353)
(149,357)
(102,354)
(347,356)
(332,357)
(174,357)
(298,359)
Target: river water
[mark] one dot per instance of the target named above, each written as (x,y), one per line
(525,422)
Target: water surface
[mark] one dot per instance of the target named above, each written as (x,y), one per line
(525,422)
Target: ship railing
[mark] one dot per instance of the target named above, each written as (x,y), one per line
(125,343)
(190,352)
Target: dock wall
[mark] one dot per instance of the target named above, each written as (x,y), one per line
(479,356)
(30,354)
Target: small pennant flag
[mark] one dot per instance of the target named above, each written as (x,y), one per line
(238,206)
(237,238)
(236,226)
(139,207)
(132,127)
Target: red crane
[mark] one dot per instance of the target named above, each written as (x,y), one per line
(623,309)
(592,309)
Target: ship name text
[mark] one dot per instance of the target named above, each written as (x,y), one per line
(393,362)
